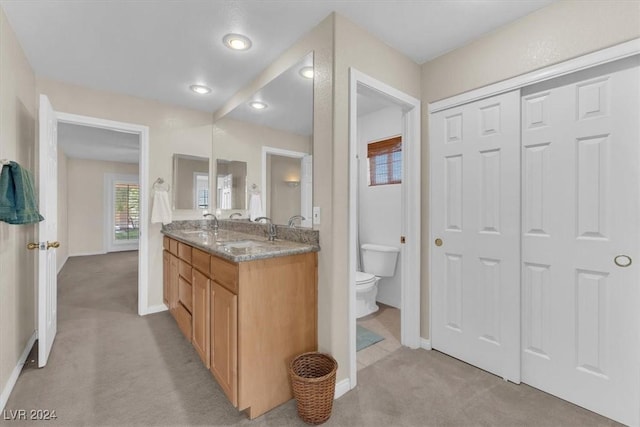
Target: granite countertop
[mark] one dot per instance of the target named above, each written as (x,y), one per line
(238,246)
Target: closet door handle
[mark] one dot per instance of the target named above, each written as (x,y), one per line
(54,245)
(622,260)
(438,242)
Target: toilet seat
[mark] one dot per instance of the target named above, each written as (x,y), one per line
(363,278)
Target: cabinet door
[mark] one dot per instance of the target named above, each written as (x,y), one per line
(173,283)
(224,340)
(166,269)
(200,315)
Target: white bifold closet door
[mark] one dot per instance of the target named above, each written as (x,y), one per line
(475,212)
(580,219)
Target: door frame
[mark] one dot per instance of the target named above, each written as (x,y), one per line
(109,180)
(278,152)
(610,54)
(410,201)
(603,56)
(143,176)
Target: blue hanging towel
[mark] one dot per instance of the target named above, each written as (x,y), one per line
(18,203)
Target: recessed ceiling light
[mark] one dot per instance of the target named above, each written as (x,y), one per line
(306,72)
(257,105)
(236,42)
(201,89)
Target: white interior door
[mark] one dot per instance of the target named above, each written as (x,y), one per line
(581,209)
(306,190)
(48,231)
(475,211)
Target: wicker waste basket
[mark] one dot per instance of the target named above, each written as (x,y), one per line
(313,379)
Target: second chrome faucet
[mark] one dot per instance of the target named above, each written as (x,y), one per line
(271,227)
(215,221)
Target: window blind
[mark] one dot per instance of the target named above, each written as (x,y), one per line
(385,161)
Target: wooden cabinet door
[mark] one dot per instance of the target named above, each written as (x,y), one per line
(224,340)
(200,315)
(173,283)
(166,272)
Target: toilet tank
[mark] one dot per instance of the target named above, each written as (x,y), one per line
(379,260)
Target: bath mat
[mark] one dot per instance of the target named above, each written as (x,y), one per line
(365,337)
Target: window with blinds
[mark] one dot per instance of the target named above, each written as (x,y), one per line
(385,161)
(126,218)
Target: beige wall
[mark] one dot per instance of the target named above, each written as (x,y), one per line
(171,130)
(332,337)
(242,141)
(553,34)
(63,220)
(17,142)
(354,47)
(358,49)
(86,203)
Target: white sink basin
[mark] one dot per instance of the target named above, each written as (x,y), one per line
(240,244)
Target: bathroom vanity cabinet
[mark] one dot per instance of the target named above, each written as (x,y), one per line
(246,320)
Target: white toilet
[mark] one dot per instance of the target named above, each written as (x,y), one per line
(377,261)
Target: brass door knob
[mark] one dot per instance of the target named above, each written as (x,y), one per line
(54,245)
(32,246)
(438,242)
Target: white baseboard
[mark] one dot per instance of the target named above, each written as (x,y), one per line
(155,309)
(11,382)
(342,387)
(426,344)
(87,253)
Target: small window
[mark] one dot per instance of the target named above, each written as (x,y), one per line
(126,214)
(385,161)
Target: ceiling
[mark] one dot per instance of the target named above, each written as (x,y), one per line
(85,142)
(155,49)
(290,102)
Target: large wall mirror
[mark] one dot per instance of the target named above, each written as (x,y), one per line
(271,134)
(190,182)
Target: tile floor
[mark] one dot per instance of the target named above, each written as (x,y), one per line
(386,323)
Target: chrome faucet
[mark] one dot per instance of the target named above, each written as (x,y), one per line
(292,220)
(215,221)
(234,214)
(271,229)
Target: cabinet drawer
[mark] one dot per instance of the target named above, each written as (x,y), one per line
(173,247)
(184,293)
(200,261)
(165,243)
(225,273)
(184,252)
(184,270)
(183,318)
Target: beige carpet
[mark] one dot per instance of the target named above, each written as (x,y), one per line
(110,367)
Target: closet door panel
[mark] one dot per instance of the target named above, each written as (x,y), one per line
(475,211)
(581,209)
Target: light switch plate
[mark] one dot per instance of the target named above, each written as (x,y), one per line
(316,214)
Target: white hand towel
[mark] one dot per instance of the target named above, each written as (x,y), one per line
(161,211)
(255,207)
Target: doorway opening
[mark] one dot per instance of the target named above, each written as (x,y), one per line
(287,181)
(124,186)
(386,216)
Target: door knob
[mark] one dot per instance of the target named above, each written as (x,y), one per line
(622,260)
(54,245)
(438,242)
(32,246)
